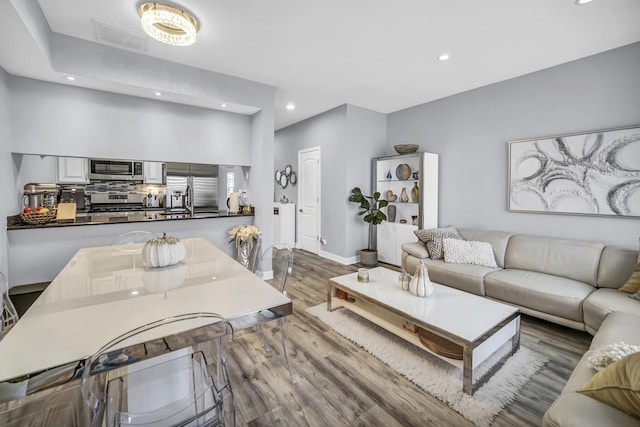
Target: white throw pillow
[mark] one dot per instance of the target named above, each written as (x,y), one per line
(469,252)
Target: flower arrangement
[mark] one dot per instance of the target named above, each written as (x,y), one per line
(246,238)
(243,233)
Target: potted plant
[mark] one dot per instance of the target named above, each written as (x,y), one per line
(369,207)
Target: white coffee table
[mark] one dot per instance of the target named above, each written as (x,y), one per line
(479,325)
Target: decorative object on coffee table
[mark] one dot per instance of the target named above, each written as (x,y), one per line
(421,285)
(406,148)
(370,207)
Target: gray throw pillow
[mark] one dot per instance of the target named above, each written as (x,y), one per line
(432,238)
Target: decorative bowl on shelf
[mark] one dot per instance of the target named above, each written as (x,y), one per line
(406,148)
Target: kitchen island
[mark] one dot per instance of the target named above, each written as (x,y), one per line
(37,253)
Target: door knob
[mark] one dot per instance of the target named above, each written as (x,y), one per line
(299,210)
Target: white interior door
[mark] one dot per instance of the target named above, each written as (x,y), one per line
(309,200)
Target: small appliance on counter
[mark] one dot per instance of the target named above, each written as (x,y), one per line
(152,200)
(73,194)
(40,195)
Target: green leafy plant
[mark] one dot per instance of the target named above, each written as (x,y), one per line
(370,207)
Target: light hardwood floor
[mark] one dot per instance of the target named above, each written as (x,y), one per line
(339,384)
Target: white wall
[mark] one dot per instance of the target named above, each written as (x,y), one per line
(471,131)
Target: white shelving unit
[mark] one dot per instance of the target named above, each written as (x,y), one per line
(419,214)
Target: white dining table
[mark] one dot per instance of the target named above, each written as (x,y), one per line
(104,292)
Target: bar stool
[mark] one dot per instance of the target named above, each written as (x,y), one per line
(9,312)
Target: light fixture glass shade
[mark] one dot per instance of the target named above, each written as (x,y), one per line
(167,24)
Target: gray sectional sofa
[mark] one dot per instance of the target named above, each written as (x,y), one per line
(572,283)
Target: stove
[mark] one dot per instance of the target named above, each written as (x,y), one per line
(116,202)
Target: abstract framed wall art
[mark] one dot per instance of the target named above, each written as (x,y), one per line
(596,173)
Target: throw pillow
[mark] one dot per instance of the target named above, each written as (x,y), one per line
(633,282)
(617,385)
(469,252)
(432,238)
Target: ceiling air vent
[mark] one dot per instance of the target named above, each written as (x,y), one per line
(120,37)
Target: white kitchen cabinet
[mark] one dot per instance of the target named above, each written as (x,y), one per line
(73,170)
(285,223)
(395,173)
(153,172)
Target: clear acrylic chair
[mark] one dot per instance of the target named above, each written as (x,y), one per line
(276,263)
(9,312)
(127,382)
(132,237)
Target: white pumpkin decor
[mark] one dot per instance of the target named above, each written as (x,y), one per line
(163,251)
(421,284)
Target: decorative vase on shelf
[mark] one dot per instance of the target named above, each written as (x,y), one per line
(389,176)
(415,193)
(391,213)
(404,198)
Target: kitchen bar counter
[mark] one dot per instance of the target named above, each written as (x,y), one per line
(15,223)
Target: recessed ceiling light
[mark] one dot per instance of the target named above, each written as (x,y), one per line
(581,2)
(443,57)
(223,105)
(70,78)
(158,93)
(291,106)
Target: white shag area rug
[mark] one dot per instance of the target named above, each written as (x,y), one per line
(433,375)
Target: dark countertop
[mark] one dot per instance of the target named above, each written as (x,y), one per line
(15,223)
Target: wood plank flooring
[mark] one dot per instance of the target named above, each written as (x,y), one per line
(340,384)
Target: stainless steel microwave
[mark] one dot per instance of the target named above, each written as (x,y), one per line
(115,170)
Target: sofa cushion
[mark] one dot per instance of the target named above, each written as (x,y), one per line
(604,301)
(469,252)
(616,265)
(564,258)
(538,291)
(432,238)
(633,282)
(466,277)
(498,240)
(574,409)
(618,385)
(417,249)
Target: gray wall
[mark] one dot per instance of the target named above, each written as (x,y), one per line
(348,137)
(471,131)
(62,120)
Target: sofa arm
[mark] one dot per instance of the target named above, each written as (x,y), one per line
(416,249)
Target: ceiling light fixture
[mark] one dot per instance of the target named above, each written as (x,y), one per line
(223,105)
(158,93)
(167,24)
(581,2)
(443,57)
(70,78)
(291,106)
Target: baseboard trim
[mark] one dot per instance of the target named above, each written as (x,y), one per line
(340,259)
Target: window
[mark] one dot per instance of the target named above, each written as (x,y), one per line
(230,182)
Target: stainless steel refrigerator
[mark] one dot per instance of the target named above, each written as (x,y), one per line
(192,187)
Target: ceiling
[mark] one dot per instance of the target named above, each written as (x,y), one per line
(377,54)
